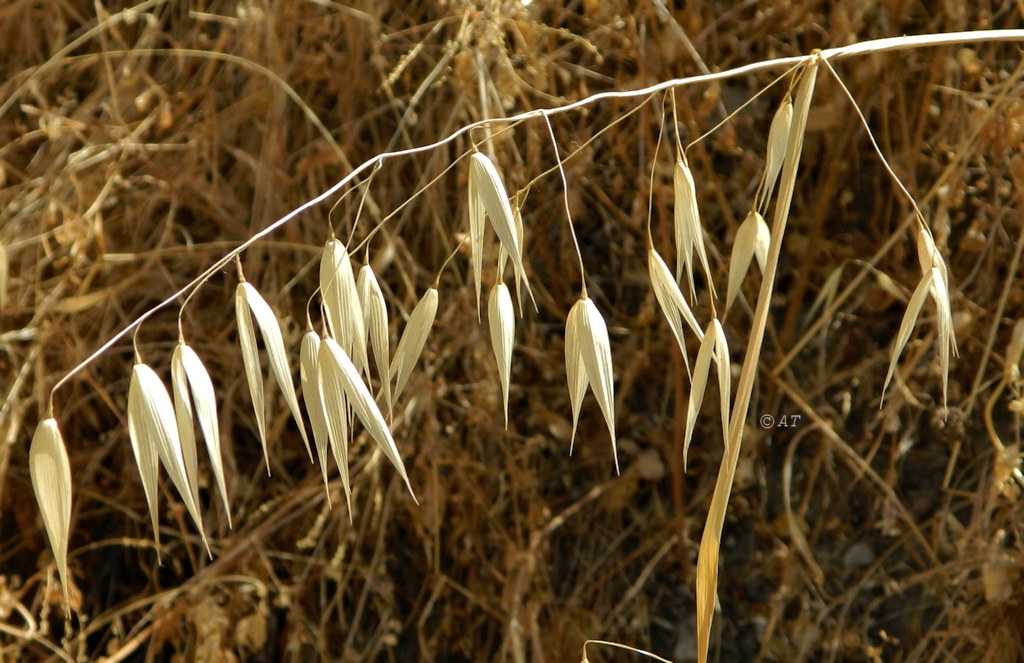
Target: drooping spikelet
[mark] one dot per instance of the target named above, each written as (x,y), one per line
(488,187)
(501,318)
(712,346)
(247,299)
(413,338)
(778,138)
(752,239)
(689,235)
(336,370)
(670,299)
(309,370)
(341,301)
(375,318)
(51,481)
(588,360)
(189,373)
(152,427)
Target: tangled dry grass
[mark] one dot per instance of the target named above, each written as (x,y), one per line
(139,147)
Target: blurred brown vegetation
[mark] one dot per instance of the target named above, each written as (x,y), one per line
(136,148)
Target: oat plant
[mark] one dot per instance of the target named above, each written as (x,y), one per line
(334,375)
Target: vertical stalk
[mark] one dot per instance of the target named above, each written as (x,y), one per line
(707,560)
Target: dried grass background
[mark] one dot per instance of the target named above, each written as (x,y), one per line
(137,149)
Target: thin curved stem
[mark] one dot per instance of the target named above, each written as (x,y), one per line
(568,214)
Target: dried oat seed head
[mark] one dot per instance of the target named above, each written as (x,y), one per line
(338,369)
(341,301)
(51,481)
(152,426)
(476,235)
(587,343)
(752,239)
(689,236)
(714,346)
(413,338)
(502,321)
(778,138)
(907,325)
(189,373)
(308,371)
(375,318)
(336,409)
(673,304)
(247,297)
(490,189)
(575,372)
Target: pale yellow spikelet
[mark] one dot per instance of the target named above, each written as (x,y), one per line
(575,371)
(309,368)
(183,419)
(595,350)
(413,338)
(712,347)
(337,412)
(501,318)
(341,301)
(778,138)
(144,448)
(746,244)
(689,235)
(928,255)
(907,325)
(673,304)
(375,318)
(248,297)
(338,369)
(50,470)
(491,191)
(253,371)
(152,426)
(4,276)
(477,217)
(185,360)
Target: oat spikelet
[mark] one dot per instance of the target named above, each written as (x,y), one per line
(501,318)
(673,304)
(336,410)
(51,481)
(341,301)
(713,346)
(477,215)
(491,190)
(4,276)
(247,297)
(752,239)
(153,427)
(375,318)
(689,235)
(575,372)
(413,338)
(593,348)
(338,369)
(309,367)
(189,373)
(778,138)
